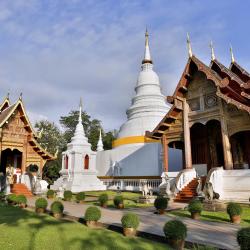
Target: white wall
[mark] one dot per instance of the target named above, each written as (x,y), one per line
(236,185)
(137,160)
(232,185)
(174,160)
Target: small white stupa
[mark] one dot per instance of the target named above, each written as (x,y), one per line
(79,163)
(100,143)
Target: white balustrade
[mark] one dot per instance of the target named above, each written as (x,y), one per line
(131,184)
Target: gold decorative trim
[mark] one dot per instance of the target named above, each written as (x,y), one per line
(132,140)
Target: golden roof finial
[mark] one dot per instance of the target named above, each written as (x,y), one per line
(146,37)
(40,133)
(212,50)
(232,54)
(190,53)
(56,153)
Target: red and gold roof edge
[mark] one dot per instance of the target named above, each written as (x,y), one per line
(226,90)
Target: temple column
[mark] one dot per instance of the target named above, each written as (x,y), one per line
(24,158)
(1,144)
(187,141)
(228,159)
(165,152)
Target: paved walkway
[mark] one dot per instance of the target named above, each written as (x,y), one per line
(221,235)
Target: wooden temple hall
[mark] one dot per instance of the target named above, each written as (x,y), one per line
(18,140)
(210,116)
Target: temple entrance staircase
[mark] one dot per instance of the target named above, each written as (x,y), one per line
(20,188)
(189,191)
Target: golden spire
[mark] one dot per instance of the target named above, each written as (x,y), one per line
(80,111)
(147,56)
(212,51)
(232,54)
(146,37)
(190,53)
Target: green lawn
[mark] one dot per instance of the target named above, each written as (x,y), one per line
(130,198)
(216,216)
(127,204)
(111,194)
(22,229)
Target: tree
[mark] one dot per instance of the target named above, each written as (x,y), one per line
(108,139)
(51,170)
(51,139)
(91,127)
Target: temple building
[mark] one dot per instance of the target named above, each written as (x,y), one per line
(19,147)
(134,158)
(210,122)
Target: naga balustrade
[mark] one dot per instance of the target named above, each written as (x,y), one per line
(183,178)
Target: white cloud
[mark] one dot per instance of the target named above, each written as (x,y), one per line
(34,117)
(56,51)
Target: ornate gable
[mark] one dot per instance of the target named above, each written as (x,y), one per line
(217,78)
(17,132)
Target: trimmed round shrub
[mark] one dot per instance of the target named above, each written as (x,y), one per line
(41,203)
(67,195)
(21,199)
(11,198)
(50,193)
(80,196)
(195,206)
(130,220)
(161,203)
(57,207)
(234,209)
(92,214)
(118,199)
(175,230)
(243,238)
(2,195)
(33,168)
(103,199)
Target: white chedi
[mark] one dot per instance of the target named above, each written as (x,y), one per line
(131,154)
(149,104)
(79,164)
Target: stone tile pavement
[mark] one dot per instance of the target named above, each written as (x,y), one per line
(221,235)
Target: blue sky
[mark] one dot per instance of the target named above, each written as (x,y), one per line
(56,51)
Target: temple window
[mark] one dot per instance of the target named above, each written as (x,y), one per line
(66,162)
(86,162)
